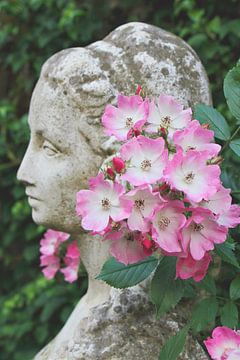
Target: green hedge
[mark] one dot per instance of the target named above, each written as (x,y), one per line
(31,31)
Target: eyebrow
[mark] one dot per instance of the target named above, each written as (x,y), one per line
(43,133)
(46,134)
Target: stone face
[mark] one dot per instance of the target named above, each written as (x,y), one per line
(68,146)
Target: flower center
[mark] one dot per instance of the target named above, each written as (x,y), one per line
(189,177)
(52,241)
(146,165)
(139,204)
(129,122)
(129,237)
(163,222)
(106,204)
(197,227)
(191,147)
(166,121)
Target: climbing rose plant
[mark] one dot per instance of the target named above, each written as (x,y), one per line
(161,204)
(162,193)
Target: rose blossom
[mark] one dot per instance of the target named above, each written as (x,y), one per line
(190,173)
(167,114)
(102,202)
(231,217)
(201,232)
(72,260)
(187,267)
(126,245)
(219,202)
(224,344)
(195,137)
(51,241)
(167,222)
(144,203)
(131,112)
(51,264)
(147,159)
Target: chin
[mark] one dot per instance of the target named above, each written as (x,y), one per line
(41,219)
(58,222)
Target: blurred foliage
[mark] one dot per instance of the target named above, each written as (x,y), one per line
(31,31)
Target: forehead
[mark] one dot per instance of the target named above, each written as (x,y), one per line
(50,112)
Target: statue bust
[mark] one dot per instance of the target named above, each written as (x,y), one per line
(67,147)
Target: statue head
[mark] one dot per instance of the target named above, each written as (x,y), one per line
(64,150)
(66,144)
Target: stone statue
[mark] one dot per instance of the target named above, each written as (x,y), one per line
(67,147)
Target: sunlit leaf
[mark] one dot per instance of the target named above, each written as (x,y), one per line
(231,89)
(207,114)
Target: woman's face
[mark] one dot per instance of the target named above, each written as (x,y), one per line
(58,160)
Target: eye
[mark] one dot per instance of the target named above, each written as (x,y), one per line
(49,149)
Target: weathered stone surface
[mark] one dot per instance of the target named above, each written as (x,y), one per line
(125,327)
(65,112)
(160,61)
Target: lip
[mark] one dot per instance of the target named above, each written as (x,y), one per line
(31,196)
(33,202)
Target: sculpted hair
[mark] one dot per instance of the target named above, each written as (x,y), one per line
(134,53)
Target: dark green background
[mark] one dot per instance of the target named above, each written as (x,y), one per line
(32,308)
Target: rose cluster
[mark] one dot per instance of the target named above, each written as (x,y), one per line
(50,249)
(162,191)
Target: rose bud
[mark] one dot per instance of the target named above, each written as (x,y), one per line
(133,133)
(147,243)
(139,89)
(110,173)
(137,132)
(118,164)
(148,246)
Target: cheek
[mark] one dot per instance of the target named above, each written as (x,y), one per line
(51,188)
(57,209)
(62,188)
(58,183)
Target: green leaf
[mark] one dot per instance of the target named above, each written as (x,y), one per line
(122,276)
(235,288)
(230,176)
(235,146)
(174,346)
(226,253)
(207,114)
(166,292)
(229,315)
(204,314)
(173,294)
(231,88)
(208,284)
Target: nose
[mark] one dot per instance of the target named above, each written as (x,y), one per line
(25,171)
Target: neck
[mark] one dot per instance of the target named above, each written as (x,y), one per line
(94,253)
